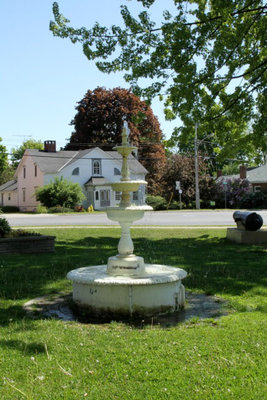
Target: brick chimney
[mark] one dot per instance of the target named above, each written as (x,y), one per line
(219,173)
(50,146)
(243,172)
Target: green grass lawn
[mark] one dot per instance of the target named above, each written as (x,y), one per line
(217,359)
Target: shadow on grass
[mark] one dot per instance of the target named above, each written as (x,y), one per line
(26,348)
(214,265)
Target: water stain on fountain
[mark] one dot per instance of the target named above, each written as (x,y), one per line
(127,286)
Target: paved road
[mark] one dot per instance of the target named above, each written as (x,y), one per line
(161,218)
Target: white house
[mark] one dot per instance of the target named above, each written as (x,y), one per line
(94,169)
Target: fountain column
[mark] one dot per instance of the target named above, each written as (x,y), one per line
(126,263)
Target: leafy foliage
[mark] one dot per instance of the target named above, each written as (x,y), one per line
(60,192)
(4,227)
(10,209)
(182,168)
(156,202)
(207,62)
(234,189)
(14,233)
(254,200)
(7,173)
(99,120)
(3,160)
(17,153)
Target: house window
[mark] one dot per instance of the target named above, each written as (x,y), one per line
(35,170)
(117,196)
(24,172)
(23,195)
(96,195)
(96,167)
(9,196)
(76,171)
(117,171)
(257,189)
(135,195)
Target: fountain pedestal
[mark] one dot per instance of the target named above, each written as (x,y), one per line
(126,286)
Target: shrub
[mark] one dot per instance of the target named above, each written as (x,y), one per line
(234,189)
(157,202)
(175,205)
(21,233)
(59,209)
(254,200)
(41,209)
(60,192)
(4,227)
(10,209)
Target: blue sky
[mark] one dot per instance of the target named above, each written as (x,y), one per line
(43,77)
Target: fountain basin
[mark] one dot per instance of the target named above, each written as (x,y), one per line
(157,291)
(127,214)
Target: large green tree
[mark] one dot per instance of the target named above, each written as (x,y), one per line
(3,158)
(7,174)
(207,62)
(99,120)
(17,153)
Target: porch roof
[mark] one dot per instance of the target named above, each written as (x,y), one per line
(97,181)
(9,186)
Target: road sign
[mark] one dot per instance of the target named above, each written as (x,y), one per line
(177,185)
(180,191)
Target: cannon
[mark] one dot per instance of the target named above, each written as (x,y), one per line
(249,221)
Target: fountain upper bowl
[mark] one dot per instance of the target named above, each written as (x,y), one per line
(127,186)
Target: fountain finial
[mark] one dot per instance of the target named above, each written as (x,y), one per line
(125,133)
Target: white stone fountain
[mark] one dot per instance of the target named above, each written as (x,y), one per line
(126,285)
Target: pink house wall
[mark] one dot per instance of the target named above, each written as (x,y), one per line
(9,198)
(29,177)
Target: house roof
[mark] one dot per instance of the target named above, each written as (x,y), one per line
(258,175)
(134,165)
(52,162)
(9,186)
(97,181)
(255,175)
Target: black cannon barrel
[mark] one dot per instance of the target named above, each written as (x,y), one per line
(250,221)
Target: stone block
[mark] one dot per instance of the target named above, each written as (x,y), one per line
(247,237)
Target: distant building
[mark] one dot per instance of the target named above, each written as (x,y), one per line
(94,169)
(257,177)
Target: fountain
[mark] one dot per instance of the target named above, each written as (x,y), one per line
(126,286)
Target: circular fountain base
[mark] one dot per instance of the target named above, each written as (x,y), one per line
(157,291)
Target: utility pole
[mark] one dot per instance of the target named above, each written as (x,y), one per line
(196,145)
(196,169)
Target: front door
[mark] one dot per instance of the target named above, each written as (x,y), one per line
(104,198)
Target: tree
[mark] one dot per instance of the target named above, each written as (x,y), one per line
(232,192)
(99,121)
(182,168)
(3,158)
(17,153)
(7,174)
(207,62)
(60,192)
